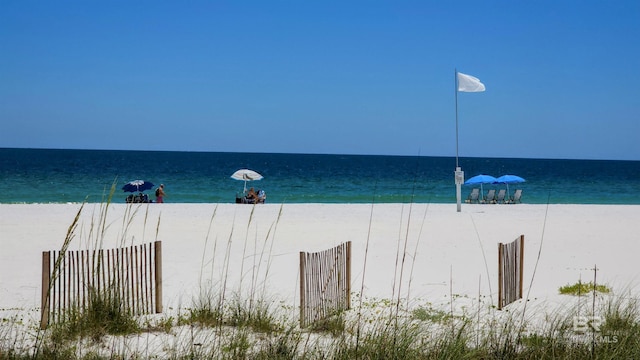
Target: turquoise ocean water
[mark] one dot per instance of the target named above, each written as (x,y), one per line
(61,176)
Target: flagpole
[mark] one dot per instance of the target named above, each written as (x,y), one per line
(455,82)
(458,174)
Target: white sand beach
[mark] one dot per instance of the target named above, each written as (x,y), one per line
(446,252)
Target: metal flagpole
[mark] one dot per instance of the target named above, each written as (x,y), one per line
(459,174)
(455,82)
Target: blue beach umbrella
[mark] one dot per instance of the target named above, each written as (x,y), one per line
(137,186)
(509,179)
(481,179)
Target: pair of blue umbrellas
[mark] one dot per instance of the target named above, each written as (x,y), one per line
(488,179)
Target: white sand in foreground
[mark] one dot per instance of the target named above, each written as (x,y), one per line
(440,243)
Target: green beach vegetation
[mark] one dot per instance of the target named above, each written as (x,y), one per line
(254,325)
(193,335)
(581,288)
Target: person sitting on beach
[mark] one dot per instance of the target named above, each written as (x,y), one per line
(251,196)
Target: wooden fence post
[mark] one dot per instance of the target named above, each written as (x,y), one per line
(521,263)
(302,286)
(46,280)
(500,277)
(158,270)
(348,261)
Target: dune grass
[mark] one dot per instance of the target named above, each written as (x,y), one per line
(105,315)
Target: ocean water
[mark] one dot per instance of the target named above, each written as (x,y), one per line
(62,176)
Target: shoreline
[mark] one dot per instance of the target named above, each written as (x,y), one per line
(76,176)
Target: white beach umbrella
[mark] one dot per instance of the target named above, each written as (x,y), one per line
(246,175)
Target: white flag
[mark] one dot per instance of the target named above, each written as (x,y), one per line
(468,83)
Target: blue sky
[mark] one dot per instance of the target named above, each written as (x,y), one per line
(334,77)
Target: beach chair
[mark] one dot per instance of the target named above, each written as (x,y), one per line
(515,199)
(473,196)
(490,198)
(500,199)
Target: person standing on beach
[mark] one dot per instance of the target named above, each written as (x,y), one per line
(160,194)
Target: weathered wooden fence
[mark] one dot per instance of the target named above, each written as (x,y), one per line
(510,271)
(325,283)
(132,276)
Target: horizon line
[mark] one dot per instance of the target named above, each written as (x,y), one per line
(320,154)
